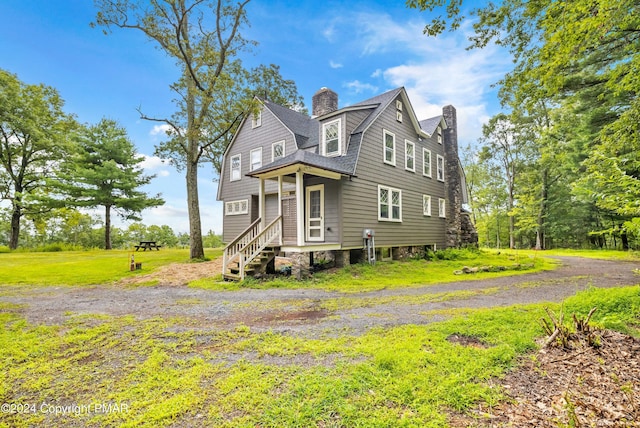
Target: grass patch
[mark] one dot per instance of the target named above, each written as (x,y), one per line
(83,267)
(397,274)
(591,254)
(171,372)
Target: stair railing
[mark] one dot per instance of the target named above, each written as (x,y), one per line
(272,232)
(232,250)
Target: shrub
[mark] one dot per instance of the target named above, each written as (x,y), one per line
(468,253)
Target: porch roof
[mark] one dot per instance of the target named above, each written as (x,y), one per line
(331,167)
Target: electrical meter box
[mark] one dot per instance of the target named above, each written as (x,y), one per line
(368,233)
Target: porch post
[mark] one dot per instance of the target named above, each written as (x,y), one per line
(300,207)
(262,209)
(280,206)
(279,195)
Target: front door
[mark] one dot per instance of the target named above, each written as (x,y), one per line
(315,213)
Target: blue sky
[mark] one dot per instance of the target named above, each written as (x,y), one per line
(359,49)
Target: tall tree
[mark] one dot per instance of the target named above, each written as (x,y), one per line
(505,142)
(581,57)
(203,37)
(106,172)
(33,137)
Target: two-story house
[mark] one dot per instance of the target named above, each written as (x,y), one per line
(300,185)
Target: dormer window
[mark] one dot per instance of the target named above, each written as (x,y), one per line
(331,144)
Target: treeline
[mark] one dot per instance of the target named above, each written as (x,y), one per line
(51,164)
(561,166)
(70,229)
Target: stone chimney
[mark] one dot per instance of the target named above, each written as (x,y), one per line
(324,101)
(453,182)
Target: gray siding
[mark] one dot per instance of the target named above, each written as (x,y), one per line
(332,221)
(360,209)
(247,139)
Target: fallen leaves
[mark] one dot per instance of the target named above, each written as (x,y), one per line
(580,386)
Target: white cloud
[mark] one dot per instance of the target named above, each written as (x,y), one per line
(329,33)
(156,165)
(436,71)
(174,213)
(152,162)
(358,87)
(334,65)
(160,129)
(379,33)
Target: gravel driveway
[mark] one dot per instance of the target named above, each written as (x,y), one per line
(311,312)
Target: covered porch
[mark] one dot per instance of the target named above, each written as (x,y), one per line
(306,216)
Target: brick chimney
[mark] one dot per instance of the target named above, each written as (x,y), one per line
(324,101)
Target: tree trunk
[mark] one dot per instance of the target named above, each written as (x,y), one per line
(193,205)
(512,222)
(542,213)
(193,156)
(625,239)
(15,226)
(107,227)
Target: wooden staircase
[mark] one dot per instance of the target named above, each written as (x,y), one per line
(252,251)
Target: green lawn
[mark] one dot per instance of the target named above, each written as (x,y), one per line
(399,274)
(83,267)
(173,372)
(592,254)
(169,372)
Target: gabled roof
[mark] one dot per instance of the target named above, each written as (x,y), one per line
(303,128)
(430,125)
(379,102)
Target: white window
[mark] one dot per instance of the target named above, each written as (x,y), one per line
(399,105)
(236,207)
(256,158)
(426,205)
(399,116)
(426,162)
(441,208)
(389,204)
(389,141)
(256,119)
(236,163)
(331,138)
(440,167)
(439,131)
(409,156)
(277,150)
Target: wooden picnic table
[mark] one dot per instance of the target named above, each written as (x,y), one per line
(148,245)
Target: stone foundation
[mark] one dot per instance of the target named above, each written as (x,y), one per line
(357,256)
(404,253)
(468,235)
(342,258)
(299,265)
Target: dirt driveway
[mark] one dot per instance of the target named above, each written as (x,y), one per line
(311,312)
